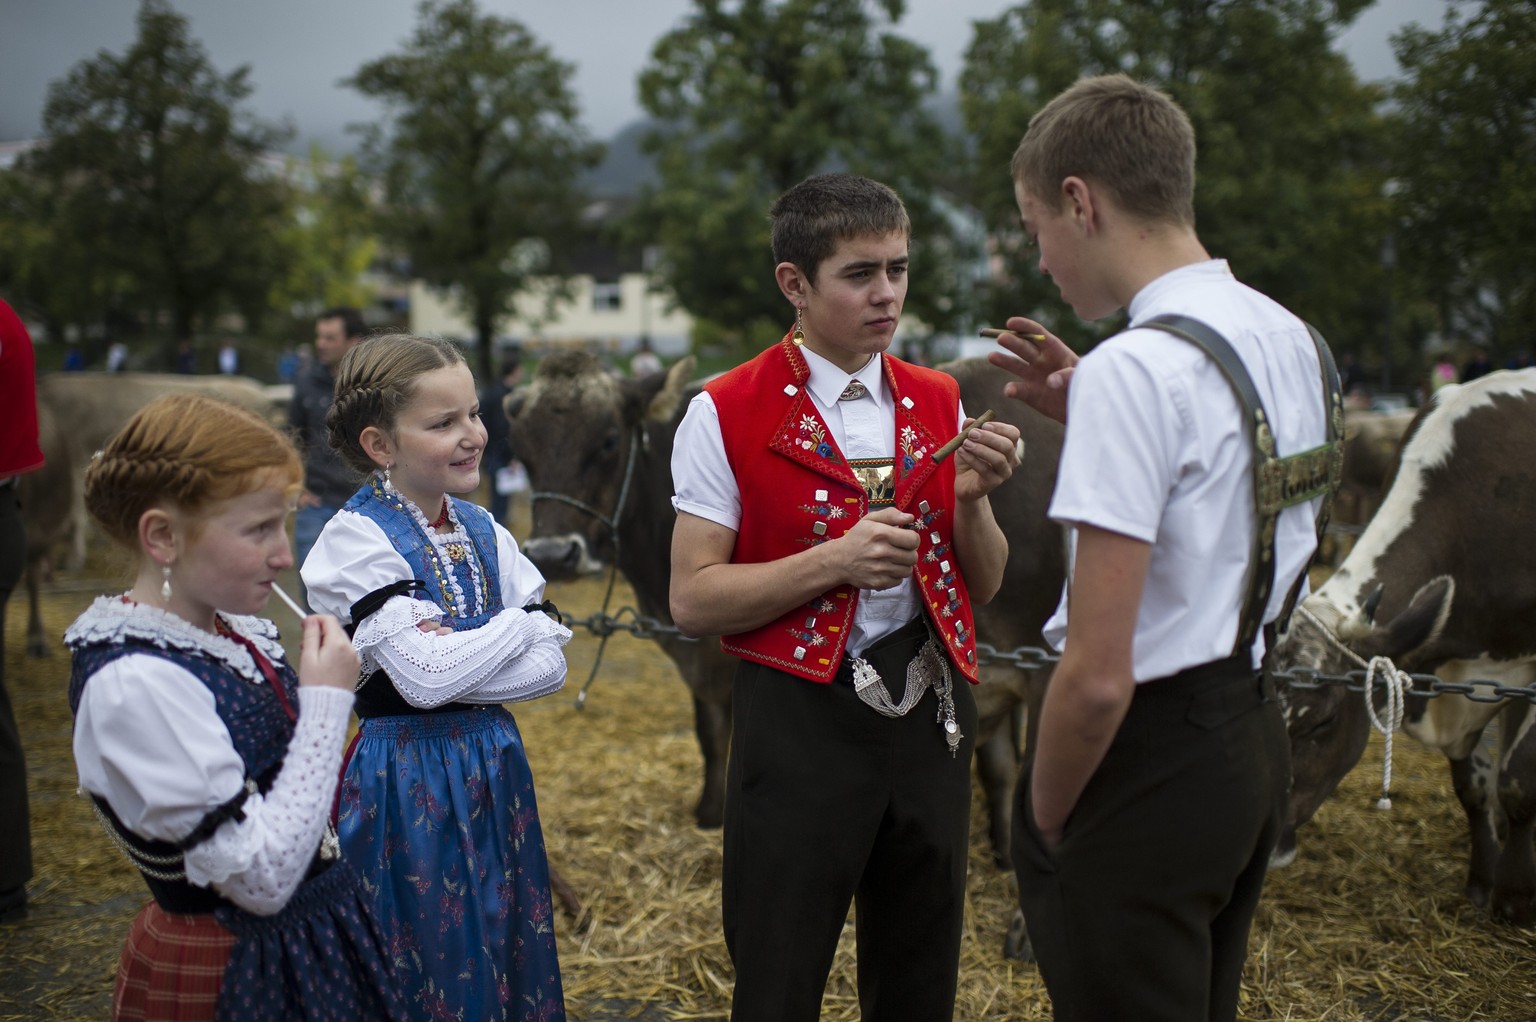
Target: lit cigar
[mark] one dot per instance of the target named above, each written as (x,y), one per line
(994,332)
(292,604)
(954,445)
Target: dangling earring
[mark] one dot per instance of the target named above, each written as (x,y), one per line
(165,584)
(388,485)
(799,335)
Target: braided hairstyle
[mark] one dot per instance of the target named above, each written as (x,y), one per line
(187,450)
(374,381)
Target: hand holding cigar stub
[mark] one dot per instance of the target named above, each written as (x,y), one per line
(954,445)
(995,332)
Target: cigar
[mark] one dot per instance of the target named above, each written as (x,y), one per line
(954,445)
(292,603)
(994,332)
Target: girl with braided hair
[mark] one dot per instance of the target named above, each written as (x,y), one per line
(209,761)
(437,802)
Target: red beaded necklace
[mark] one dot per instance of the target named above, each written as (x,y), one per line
(442,519)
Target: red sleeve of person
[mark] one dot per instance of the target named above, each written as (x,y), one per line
(19,450)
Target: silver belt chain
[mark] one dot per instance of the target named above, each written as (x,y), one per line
(929,669)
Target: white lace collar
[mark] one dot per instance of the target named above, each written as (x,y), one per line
(112,619)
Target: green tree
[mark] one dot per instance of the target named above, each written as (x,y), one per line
(753,97)
(481,154)
(1290,165)
(330,233)
(156,174)
(1465,167)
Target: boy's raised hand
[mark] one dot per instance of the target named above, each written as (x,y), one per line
(1042,363)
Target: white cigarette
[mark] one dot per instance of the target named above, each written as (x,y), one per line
(292,605)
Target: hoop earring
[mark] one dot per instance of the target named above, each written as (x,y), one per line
(799,335)
(165,582)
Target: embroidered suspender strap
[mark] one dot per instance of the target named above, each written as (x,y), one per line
(1333,390)
(1278,482)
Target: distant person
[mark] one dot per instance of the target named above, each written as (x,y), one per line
(328,482)
(74,359)
(229,358)
(1351,376)
(1441,373)
(288,365)
(19,454)
(186,358)
(644,362)
(117,357)
(1478,365)
(499,456)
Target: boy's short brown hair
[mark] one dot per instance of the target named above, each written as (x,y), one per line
(1117,134)
(815,215)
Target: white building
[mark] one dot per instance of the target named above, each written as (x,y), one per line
(609,315)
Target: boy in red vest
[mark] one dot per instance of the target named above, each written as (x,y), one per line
(817,535)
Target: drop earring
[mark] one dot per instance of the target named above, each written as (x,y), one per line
(388,485)
(799,335)
(165,583)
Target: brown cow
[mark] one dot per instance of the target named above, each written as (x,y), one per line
(1447,567)
(1371,440)
(598,452)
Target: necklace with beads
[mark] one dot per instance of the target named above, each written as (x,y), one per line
(447,549)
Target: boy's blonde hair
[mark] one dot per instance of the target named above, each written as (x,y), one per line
(1116,134)
(189,451)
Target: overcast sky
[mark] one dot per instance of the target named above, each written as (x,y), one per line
(299,50)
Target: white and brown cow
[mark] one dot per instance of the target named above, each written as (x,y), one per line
(1443,581)
(604,446)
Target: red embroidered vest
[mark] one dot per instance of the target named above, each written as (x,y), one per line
(797,490)
(19,451)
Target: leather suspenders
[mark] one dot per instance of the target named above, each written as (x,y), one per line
(1278,482)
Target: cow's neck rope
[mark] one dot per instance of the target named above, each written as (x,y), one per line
(1395,681)
(636,441)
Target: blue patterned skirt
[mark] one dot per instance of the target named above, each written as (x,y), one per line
(438,817)
(321,957)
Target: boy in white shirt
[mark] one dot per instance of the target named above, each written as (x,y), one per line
(1160,774)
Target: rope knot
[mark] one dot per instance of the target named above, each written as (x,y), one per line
(1397,684)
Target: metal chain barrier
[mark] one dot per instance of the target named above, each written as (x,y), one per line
(1031,658)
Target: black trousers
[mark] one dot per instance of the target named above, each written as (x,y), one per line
(829,802)
(15,829)
(1142,912)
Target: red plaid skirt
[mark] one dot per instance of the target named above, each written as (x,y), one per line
(171,968)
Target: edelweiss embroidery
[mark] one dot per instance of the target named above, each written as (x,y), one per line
(813,437)
(910,451)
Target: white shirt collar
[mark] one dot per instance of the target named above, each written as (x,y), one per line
(827,381)
(1210,270)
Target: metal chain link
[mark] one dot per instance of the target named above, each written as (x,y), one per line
(1032,658)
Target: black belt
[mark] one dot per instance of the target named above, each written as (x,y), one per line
(886,648)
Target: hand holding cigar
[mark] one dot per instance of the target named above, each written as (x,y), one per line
(996,332)
(954,445)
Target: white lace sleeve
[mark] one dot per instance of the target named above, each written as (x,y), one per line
(258,862)
(514,656)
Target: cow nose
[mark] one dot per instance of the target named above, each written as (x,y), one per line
(557,557)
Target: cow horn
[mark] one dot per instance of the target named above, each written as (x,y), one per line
(665,404)
(1368,611)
